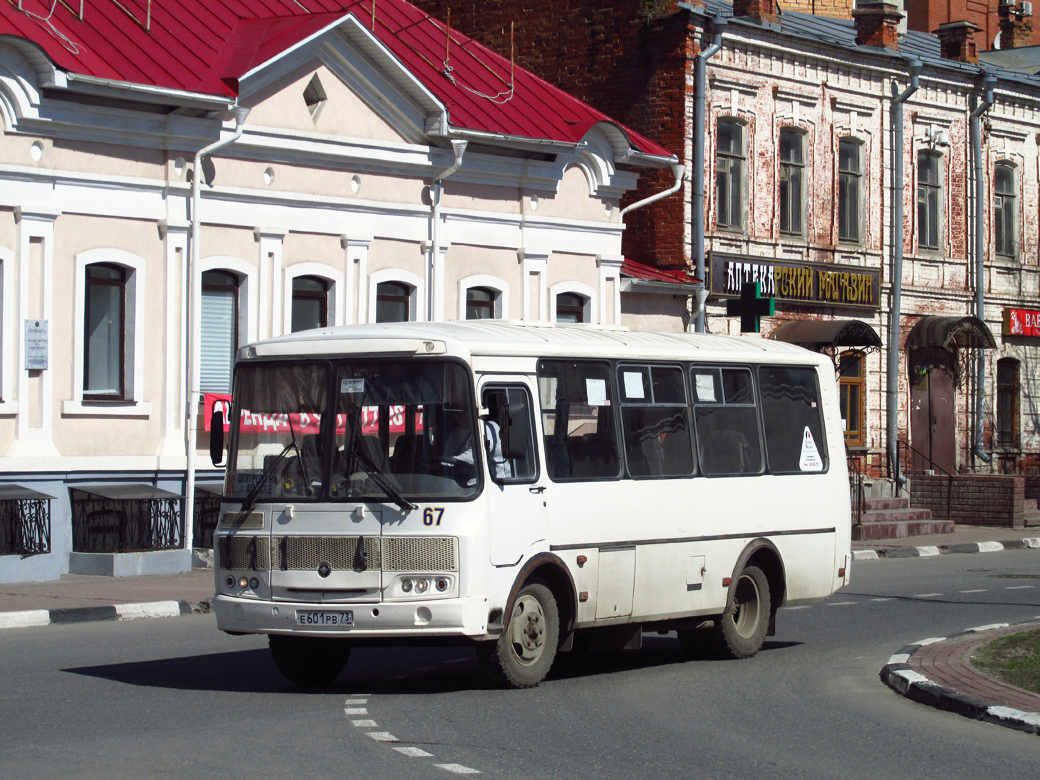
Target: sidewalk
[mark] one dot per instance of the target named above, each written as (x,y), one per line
(964,539)
(77,598)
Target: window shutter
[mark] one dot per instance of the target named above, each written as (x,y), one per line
(218,340)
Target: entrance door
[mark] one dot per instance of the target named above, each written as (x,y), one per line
(933,432)
(515,492)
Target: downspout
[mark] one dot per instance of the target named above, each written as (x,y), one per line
(459,147)
(697,174)
(193,283)
(892,392)
(677,171)
(988,82)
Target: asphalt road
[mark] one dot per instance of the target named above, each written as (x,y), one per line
(176,698)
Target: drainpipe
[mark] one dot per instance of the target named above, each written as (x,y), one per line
(193,283)
(988,82)
(459,147)
(892,393)
(677,171)
(718,26)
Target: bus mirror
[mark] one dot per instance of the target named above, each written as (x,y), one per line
(216,437)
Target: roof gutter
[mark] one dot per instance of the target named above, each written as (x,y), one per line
(146,93)
(892,388)
(718,26)
(988,82)
(193,283)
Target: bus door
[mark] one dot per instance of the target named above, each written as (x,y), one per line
(515,490)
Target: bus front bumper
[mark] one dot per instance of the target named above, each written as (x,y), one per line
(462,617)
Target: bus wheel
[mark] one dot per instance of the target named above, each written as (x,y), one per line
(739,632)
(308,660)
(523,655)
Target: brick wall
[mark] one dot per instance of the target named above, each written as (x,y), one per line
(975,500)
(627,59)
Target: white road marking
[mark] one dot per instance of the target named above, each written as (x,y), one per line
(382,736)
(925,595)
(1019,587)
(413,752)
(839,603)
(803,606)
(355,711)
(977,590)
(458,769)
(365,724)
(356,700)
(886,598)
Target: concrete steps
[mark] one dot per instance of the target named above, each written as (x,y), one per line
(894,518)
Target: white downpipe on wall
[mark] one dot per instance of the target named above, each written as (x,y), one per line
(677,171)
(193,284)
(459,147)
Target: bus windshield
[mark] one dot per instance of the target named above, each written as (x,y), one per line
(353,430)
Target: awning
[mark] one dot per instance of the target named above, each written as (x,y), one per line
(951,332)
(814,334)
(126,492)
(12,492)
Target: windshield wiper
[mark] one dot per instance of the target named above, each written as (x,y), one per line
(381,481)
(250,500)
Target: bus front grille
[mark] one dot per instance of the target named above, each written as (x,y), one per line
(245,552)
(305,553)
(420,553)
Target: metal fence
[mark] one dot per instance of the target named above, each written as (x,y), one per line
(25,521)
(125,518)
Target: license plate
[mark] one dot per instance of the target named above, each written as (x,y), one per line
(324,618)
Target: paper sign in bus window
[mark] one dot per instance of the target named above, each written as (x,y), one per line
(352,386)
(705,385)
(596,391)
(634,385)
(810,460)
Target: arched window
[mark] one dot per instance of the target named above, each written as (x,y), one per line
(104,377)
(480,303)
(310,303)
(792,181)
(929,200)
(393,302)
(1004,209)
(852,397)
(730,174)
(570,308)
(1007,402)
(220,331)
(850,190)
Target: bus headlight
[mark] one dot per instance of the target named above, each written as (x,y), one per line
(406,585)
(421,586)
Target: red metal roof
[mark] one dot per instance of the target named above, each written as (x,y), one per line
(205,46)
(651,274)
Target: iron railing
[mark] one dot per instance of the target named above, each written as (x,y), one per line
(909,457)
(125,518)
(25,525)
(855,488)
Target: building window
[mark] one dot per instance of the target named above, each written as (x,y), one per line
(792,181)
(393,302)
(480,303)
(851,389)
(929,200)
(1007,402)
(104,333)
(570,308)
(1004,209)
(219,332)
(310,303)
(730,167)
(850,190)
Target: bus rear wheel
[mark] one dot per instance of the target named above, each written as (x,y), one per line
(523,655)
(741,630)
(309,661)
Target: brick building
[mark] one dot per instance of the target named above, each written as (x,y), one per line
(797,155)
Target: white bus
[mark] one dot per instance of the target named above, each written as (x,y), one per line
(527,489)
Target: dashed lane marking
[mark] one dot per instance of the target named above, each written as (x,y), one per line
(925,595)
(364,724)
(1019,587)
(977,590)
(382,736)
(458,769)
(413,752)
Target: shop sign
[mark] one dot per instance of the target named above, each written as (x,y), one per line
(823,284)
(1021,322)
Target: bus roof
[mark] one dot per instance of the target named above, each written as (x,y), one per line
(471,338)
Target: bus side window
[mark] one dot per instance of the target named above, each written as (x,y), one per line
(793,419)
(578,420)
(655,421)
(509,435)
(728,438)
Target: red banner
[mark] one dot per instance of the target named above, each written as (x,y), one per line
(303,424)
(1021,322)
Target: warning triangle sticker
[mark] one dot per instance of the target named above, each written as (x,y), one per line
(810,460)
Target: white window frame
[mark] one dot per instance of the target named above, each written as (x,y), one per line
(134,337)
(402,277)
(7,333)
(332,276)
(500,287)
(248,323)
(590,309)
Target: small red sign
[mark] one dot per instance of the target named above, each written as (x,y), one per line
(1021,322)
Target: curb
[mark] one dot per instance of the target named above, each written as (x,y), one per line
(945,549)
(901,677)
(46,617)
